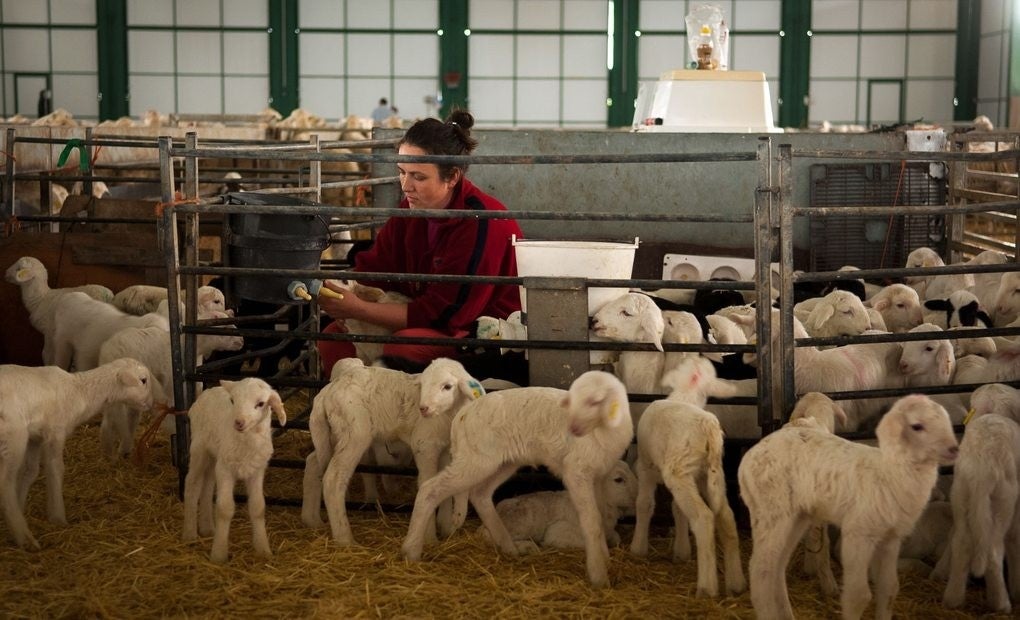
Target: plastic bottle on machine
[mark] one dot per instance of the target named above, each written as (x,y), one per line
(704,48)
(724,52)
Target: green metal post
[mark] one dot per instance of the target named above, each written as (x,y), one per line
(111,34)
(283,56)
(794,63)
(453,54)
(622,75)
(968,52)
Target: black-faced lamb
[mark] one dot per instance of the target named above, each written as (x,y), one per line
(548,518)
(39,408)
(799,475)
(231,440)
(363,405)
(680,444)
(578,434)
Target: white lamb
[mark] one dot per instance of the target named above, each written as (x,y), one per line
(1007,299)
(41,301)
(997,398)
(231,440)
(84,324)
(899,306)
(985,498)
(681,445)
(932,362)
(934,287)
(634,317)
(369,352)
(986,285)
(369,404)
(39,408)
(151,346)
(578,434)
(548,518)
(840,313)
(799,475)
(142,299)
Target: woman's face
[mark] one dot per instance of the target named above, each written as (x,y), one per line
(422,184)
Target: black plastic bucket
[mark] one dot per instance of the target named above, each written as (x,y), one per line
(261,241)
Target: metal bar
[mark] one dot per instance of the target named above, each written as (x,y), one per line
(786,342)
(191,236)
(913,156)
(763,251)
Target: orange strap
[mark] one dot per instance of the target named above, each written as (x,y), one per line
(178,200)
(144,442)
(361,195)
(9,156)
(12,224)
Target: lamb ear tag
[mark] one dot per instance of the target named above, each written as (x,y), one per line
(970,414)
(477,391)
(614,409)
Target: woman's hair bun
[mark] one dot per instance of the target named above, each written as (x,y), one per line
(462,118)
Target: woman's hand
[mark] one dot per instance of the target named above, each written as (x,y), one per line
(351,306)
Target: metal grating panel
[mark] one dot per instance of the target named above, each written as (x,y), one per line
(880,241)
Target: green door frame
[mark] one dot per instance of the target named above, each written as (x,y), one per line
(968,57)
(453,55)
(902,100)
(14,78)
(284,96)
(112,72)
(622,76)
(794,63)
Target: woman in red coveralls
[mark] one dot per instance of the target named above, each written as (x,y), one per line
(453,246)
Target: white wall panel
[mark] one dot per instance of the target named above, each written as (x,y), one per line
(368,14)
(538,15)
(198,52)
(662,15)
(72,11)
(584,56)
(245,13)
(834,14)
(833,56)
(885,102)
(368,54)
(883,56)
(932,14)
(155,92)
(990,68)
(490,14)
(660,53)
(755,53)
(246,52)
(757,15)
(74,50)
(585,101)
(538,56)
(76,94)
(833,101)
(883,14)
(409,97)
(150,51)
(585,14)
(26,49)
(320,14)
(198,13)
(22,12)
(245,95)
(538,100)
(992,12)
(199,95)
(321,54)
(492,100)
(415,54)
(931,100)
(323,96)
(491,55)
(416,14)
(150,13)
(932,55)
(363,94)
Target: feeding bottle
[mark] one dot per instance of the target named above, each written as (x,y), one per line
(704,49)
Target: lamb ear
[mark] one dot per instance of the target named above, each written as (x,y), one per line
(822,314)
(277,406)
(652,326)
(127,376)
(22,275)
(839,414)
(472,388)
(878,304)
(945,362)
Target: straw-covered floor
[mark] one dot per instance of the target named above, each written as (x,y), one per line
(121,557)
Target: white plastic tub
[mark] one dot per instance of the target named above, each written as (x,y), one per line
(577,259)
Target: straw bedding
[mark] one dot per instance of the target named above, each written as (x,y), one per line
(121,556)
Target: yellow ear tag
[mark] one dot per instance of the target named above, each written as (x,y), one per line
(477,391)
(21,274)
(613,410)
(970,414)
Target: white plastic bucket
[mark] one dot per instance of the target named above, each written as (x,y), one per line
(577,259)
